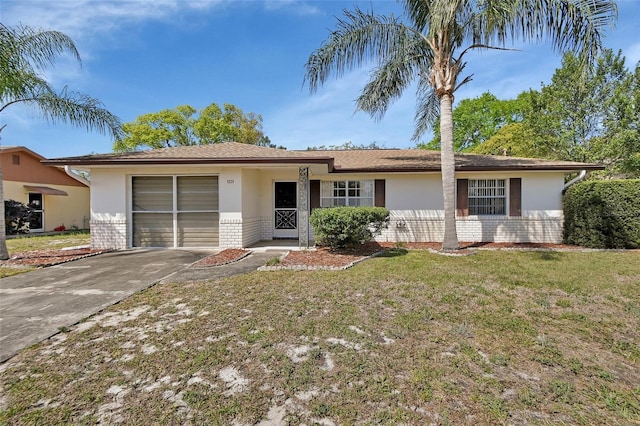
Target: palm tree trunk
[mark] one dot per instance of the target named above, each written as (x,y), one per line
(4,253)
(448,167)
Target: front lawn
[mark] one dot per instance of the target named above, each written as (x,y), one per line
(410,338)
(35,242)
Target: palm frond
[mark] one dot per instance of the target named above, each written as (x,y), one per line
(360,37)
(387,83)
(427,109)
(77,109)
(25,47)
(20,84)
(575,25)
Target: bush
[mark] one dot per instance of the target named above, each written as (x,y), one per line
(603,214)
(16,217)
(338,227)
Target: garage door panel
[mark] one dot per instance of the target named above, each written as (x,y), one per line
(198,229)
(152,193)
(198,193)
(189,203)
(153,230)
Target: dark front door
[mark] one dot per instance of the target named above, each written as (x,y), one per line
(285,210)
(36,202)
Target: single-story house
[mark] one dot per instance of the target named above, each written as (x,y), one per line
(57,197)
(234,195)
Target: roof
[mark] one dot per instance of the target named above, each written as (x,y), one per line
(338,161)
(221,153)
(10,149)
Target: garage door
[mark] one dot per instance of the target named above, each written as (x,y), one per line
(175,211)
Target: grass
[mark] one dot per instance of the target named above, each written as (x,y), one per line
(418,338)
(41,242)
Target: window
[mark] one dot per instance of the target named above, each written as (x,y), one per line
(347,193)
(487,197)
(15,159)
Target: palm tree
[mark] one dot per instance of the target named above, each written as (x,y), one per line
(25,51)
(431,49)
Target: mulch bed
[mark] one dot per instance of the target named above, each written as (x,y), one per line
(324,258)
(223,258)
(317,258)
(41,258)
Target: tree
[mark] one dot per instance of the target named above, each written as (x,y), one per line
(345,146)
(514,139)
(182,126)
(431,49)
(619,146)
(582,115)
(24,52)
(478,119)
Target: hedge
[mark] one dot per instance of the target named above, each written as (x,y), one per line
(347,226)
(603,214)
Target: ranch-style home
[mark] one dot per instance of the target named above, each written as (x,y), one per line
(235,195)
(58,198)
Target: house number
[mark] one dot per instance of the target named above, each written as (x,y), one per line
(230,181)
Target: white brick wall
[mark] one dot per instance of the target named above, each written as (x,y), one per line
(111,234)
(230,233)
(476,229)
(266,224)
(251,231)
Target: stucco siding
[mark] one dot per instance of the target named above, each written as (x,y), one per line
(109,192)
(71,210)
(541,220)
(414,200)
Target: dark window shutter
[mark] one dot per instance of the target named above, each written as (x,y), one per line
(314,194)
(515,197)
(379,199)
(462,197)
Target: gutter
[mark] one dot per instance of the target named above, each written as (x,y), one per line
(76,176)
(581,176)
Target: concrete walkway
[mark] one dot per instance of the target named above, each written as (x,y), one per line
(35,305)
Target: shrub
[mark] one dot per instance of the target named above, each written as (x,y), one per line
(16,217)
(603,214)
(348,226)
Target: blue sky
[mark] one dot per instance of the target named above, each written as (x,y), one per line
(141,56)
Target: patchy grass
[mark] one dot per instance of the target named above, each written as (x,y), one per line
(29,243)
(418,338)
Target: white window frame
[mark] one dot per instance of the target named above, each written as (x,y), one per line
(487,197)
(351,193)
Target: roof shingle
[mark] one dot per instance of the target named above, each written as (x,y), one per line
(339,161)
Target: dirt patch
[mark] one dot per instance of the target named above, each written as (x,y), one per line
(41,258)
(223,258)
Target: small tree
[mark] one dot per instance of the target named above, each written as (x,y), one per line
(339,227)
(17,216)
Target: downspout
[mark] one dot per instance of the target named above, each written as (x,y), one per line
(581,176)
(76,176)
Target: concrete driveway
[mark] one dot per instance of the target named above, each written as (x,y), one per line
(34,305)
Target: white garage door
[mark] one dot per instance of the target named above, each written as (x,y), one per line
(175,211)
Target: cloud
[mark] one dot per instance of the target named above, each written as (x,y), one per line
(328,117)
(301,8)
(82,18)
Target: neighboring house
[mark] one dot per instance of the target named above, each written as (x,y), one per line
(56,198)
(234,195)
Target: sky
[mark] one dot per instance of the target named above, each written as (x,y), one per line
(143,56)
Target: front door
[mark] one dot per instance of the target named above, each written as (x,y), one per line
(285,210)
(36,223)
